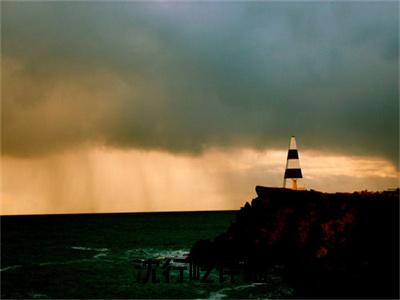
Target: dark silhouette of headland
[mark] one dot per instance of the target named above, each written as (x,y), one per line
(339,245)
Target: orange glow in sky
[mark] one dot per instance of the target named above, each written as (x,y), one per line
(108,180)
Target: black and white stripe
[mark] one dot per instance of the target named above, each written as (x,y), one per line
(293,170)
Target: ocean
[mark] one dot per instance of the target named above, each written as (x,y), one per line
(93,256)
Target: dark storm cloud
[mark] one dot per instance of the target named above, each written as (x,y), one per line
(183,77)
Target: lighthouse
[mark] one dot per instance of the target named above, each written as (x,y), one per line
(293,170)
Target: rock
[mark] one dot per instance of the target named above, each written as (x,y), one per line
(341,245)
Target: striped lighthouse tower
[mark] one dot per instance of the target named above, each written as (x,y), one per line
(293,170)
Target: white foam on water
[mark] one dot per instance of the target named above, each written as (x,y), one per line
(10,268)
(90,249)
(101,254)
(39,296)
(102,251)
(143,253)
(68,262)
(172,253)
(222,293)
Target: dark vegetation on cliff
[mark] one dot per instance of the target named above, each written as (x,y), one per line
(330,245)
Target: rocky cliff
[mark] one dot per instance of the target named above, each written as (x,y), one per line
(338,245)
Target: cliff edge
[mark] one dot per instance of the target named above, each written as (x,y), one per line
(341,245)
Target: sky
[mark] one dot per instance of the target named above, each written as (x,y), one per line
(169,106)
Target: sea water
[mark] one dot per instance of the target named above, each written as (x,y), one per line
(93,255)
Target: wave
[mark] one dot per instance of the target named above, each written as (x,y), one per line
(90,249)
(10,268)
(142,253)
(99,255)
(68,262)
(102,252)
(222,293)
(38,296)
